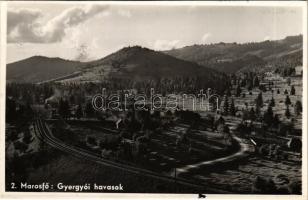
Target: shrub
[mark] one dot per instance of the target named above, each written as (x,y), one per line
(270,187)
(264,150)
(264,186)
(295,187)
(283,190)
(258,185)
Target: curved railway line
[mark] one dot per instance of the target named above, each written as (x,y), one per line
(44,134)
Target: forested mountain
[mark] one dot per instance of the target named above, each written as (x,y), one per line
(138,67)
(233,57)
(39,68)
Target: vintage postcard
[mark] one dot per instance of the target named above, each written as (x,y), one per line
(162,99)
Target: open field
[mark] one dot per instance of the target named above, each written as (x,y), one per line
(280,84)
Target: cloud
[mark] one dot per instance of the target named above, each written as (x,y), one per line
(166,44)
(25,25)
(23,16)
(205,37)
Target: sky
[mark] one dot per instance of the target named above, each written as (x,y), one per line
(87,32)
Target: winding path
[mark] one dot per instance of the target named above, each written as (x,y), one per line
(245,149)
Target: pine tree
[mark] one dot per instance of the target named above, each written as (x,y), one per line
(256,82)
(232,108)
(272,103)
(72,99)
(252,114)
(287,101)
(79,112)
(292,90)
(287,113)
(258,110)
(245,115)
(276,121)
(298,108)
(61,108)
(249,85)
(268,116)
(89,110)
(226,106)
(238,91)
(259,100)
(66,109)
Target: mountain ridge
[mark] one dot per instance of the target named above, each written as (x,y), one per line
(40,68)
(140,63)
(136,62)
(228,57)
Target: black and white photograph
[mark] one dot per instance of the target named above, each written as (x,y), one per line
(155,98)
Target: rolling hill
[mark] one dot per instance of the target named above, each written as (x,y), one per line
(139,68)
(233,57)
(39,68)
(140,63)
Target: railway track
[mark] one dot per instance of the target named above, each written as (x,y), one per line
(44,134)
